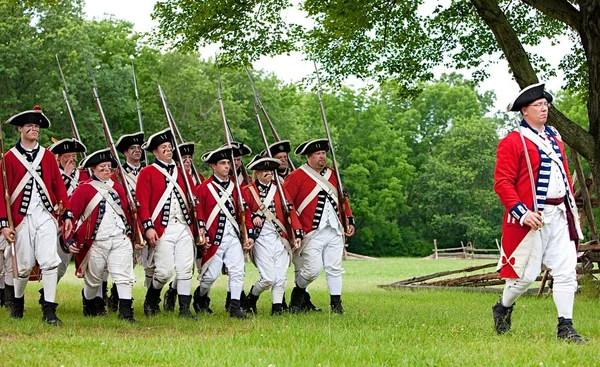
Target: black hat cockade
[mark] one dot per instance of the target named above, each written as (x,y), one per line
(278,147)
(312,146)
(260,163)
(240,149)
(528,95)
(67,146)
(157,139)
(217,155)
(127,140)
(33,116)
(99,156)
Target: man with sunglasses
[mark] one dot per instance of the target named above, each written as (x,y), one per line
(540,225)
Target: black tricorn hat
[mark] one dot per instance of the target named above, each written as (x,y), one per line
(219,154)
(240,149)
(33,116)
(187,148)
(157,139)
(67,146)
(528,95)
(278,147)
(127,140)
(99,156)
(312,146)
(260,163)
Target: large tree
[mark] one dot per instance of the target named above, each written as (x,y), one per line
(404,40)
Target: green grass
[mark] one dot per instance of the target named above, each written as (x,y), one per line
(380,328)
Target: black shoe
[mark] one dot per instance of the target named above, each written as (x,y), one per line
(170,299)
(99,306)
(49,313)
(89,306)
(250,303)
(235,310)
(17,305)
(307,305)
(152,301)
(9,295)
(567,332)
(502,317)
(227,301)
(201,303)
(184,307)
(297,300)
(2,300)
(113,300)
(277,309)
(336,304)
(126,310)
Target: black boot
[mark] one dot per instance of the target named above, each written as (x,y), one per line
(307,305)
(126,310)
(184,307)
(17,305)
(9,295)
(201,303)
(170,298)
(105,291)
(152,301)
(284,303)
(89,306)
(296,300)
(235,310)
(113,300)
(49,311)
(42,299)
(99,306)
(336,304)
(277,309)
(502,317)
(2,300)
(250,303)
(567,332)
(227,301)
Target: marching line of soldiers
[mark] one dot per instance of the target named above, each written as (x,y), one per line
(54,210)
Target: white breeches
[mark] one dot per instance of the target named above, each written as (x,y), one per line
(116,255)
(272,260)
(174,253)
(231,254)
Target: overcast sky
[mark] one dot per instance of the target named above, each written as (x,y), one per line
(293,68)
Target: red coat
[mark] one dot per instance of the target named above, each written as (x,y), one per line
(151,184)
(51,177)
(299,185)
(85,233)
(513,186)
(83,176)
(253,207)
(206,203)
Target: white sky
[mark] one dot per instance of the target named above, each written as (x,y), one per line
(292,68)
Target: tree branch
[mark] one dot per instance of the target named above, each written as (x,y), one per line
(560,10)
(525,75)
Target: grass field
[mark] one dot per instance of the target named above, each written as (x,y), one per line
(380,328)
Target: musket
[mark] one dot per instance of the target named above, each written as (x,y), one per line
(341,193)
(178,135)
(11,225)
(120,172)
(193,200)
(287,207)
(137,104)
(241,206)
(264,112)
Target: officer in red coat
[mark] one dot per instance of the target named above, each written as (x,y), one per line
(165,218)
(313,190)
(272,250)
(38,196)
(66,155)
(536,231)
(218,200)
(101,239)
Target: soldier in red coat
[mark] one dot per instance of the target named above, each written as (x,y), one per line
(165,219)
(38,196)
(541,230)
(218,200)
(66,155)
(313,190)
(272,250)
(280,150)
(101,239)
